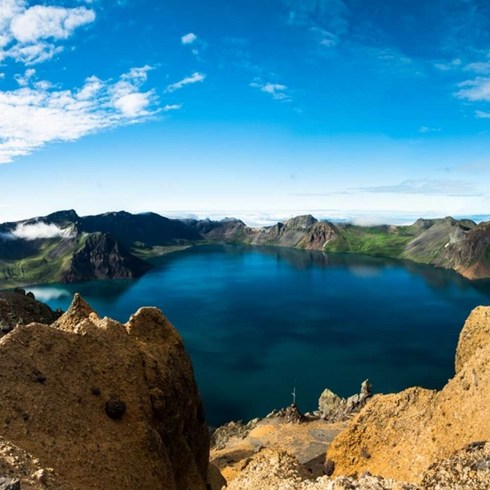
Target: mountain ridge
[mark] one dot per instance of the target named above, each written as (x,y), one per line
(66,247)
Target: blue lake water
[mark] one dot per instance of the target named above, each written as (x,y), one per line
(259,321)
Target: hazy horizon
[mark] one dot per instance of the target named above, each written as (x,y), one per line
(261,219)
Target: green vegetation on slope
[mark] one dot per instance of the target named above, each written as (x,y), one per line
(386,241)
(45,267)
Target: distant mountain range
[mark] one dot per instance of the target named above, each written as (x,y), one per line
(64,247)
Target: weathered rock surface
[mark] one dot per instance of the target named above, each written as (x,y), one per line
(399,436)
(467,469)
(17,307)
(474,336)
(334,408)
(102,257)
(307,441)
(16,463)
(279,470)
(55,385)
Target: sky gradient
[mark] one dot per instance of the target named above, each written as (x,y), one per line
(373,110)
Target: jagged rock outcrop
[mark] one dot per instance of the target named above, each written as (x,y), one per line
(334,408)
(100,404)
(102,257)
(18,308)
(400,435)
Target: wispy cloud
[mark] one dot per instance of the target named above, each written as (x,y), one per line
(278,91)
(188,38)
(40,230)
(327,20)
(482,115)
(427,130)
(435,187)
(475,90)
(171,107)
(32,35)
(37,113)
(449,65)
(194,78)
(46,294)
(479,67)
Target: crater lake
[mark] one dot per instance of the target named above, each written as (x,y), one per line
(259,322)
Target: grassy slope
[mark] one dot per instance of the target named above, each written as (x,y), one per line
(372,240)
(45,267)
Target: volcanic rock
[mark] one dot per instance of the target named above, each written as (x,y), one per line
(18,308)
(93,368)
(405,433)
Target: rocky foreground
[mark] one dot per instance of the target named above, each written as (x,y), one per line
(414,440)
(91,403)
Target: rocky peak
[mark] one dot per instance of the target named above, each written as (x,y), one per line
(78,311)
(63,217)
(301,222)
(104,405)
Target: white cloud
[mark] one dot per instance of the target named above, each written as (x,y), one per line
(40,22)
(40,230)
(481,67)
(172,107)
(451,65)
(277,90)
(36,114)
(23,80)
(194,78)
(482,115)
(49,293)
(29,34)
(475,90)
(132,104)
(189,38)
(435,187)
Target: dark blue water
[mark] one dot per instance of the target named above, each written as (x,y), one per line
(257,321)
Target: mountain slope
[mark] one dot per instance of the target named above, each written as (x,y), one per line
(461,245)
(102,257)
(149,229)
(64,247)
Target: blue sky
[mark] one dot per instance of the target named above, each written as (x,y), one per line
(373,110)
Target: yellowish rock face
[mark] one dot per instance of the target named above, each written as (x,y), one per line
(399,436)
(104,404)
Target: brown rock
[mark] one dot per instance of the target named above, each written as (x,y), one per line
(406,432)
(63,420)
(474,336)
(216,480)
